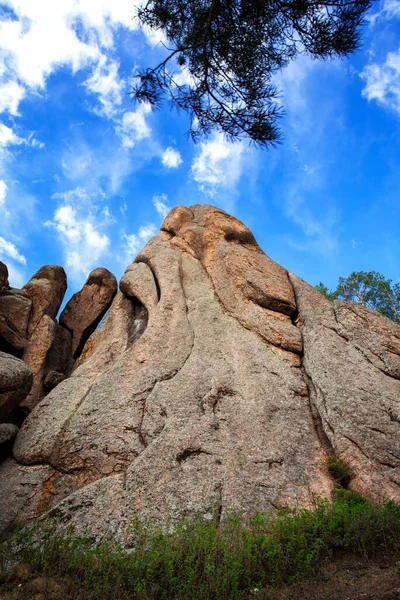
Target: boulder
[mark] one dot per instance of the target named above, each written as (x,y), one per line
(35,356)
(15,383)
(4,285)
(46,290)
(217,382)
(86,308)
(15,310)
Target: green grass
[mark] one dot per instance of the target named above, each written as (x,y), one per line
(196,561)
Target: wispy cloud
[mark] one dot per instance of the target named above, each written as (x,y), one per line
(133,126)
(161,206)
(9,249)
(382,81)
(134,242)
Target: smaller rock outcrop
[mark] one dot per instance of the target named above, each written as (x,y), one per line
(15,383)
(15,309)
(46,289)
(86,308)
(4,285)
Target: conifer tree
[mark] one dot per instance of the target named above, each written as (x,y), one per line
(231,50)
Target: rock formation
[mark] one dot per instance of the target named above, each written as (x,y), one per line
(29,329)
(86,308)
(216,382)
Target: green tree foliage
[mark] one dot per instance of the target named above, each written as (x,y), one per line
(232,49)
(370,289)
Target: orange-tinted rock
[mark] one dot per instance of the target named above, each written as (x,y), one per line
(215,383)
(86,308)
(46,290)
(35,355)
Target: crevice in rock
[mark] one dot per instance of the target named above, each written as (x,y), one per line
(357,445)
(10,349)
(219,508)
(88,332)
(317,421)
(213,398)
(138,323)
(190,453)
(324,440)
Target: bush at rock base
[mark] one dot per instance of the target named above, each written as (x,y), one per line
(196,560)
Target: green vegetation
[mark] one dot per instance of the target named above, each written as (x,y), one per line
(195,560)
(371,289)
(339,470)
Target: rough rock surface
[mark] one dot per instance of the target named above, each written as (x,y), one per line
(86,308)
(15,383)
(216,382)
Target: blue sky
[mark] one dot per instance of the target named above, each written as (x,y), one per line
(86,176)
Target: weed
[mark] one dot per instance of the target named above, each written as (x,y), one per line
(202,561)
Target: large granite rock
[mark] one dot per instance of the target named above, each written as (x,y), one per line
(46,289)
(15,383)
(216,382)
(15,310)
(86,308)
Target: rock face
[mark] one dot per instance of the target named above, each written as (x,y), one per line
(216,382)
(86,308)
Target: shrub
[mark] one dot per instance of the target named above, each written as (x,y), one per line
(197,561)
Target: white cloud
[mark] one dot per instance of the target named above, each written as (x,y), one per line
(133,126)
(3,192)
(49,34)
(10,250)
(105,82)
(136,241)
(218,164)
(8,137)
(388,9)
(78,221)
(11,94)
(16,276)
(171,158)
(147,231)
(161,206)
(383,82)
